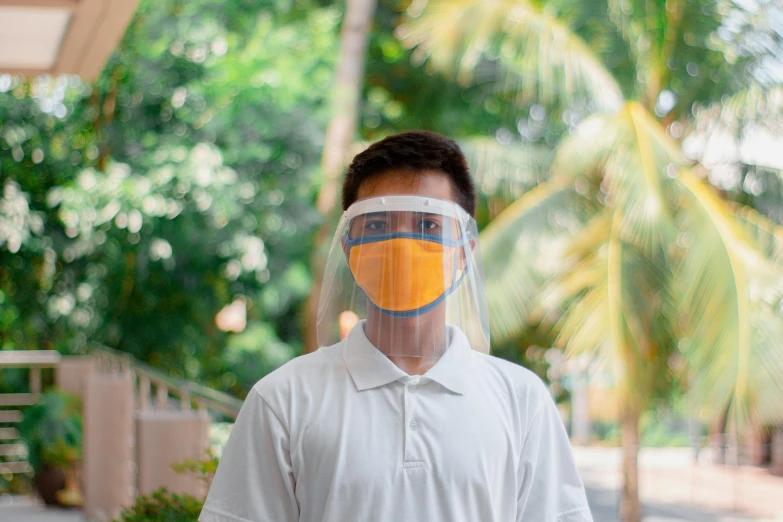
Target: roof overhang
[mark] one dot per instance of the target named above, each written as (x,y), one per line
(61,36)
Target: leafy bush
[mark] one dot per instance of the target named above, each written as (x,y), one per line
(163,506)
(664,429)
(52,430)
(607,433)
(204,469)
(16,484)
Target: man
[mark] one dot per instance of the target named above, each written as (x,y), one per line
(407,418)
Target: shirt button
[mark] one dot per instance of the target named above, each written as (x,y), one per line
(414,425)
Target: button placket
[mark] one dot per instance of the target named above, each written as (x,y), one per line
(411,423)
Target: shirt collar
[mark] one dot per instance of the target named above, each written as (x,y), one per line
(369,368)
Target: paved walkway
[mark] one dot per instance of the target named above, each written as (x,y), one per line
(671,487)
(674,490)
(28,513)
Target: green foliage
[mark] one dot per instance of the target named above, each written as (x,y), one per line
(162,506)
(401,95)
(204,468)
(659,428)
(16,484)
(134,209)
(52,430)
(622,251)
(666,433)
(606,432)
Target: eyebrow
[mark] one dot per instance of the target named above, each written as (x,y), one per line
(375,214)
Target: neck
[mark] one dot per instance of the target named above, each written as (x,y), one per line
(413,344)
(413,365)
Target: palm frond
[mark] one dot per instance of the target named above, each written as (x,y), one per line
(522,249)
(629,154)
(766,234)
(722,130)
(583,268)
(540,58)
(754,104)
(611,303)
(724,284)
(503,171)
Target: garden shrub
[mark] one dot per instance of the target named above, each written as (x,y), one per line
(163,506)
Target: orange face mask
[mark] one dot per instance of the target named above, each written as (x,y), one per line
(403,276)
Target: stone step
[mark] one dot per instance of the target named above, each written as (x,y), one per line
(38,513)
(9,433)
(13,450)
(19,399)
(7,468)
(10,415)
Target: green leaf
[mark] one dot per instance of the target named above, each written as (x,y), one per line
(540,59)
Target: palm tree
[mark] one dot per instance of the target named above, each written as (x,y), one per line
(624,250)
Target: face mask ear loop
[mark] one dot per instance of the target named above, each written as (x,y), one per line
(454,264)
(347,245)
(463,246)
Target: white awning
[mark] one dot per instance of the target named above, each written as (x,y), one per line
(61,36)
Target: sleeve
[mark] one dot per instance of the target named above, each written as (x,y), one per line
(550,488)
(254,481)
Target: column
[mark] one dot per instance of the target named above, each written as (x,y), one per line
(108,445)
(72,372)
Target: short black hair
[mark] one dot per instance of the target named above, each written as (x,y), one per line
(414,152)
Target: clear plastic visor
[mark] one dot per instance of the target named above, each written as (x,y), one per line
(405,269)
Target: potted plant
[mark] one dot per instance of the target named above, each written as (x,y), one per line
(52,431)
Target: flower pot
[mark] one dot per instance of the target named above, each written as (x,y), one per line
(48,481)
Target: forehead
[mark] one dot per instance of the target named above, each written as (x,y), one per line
(427,183)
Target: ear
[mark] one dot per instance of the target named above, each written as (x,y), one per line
(463,261)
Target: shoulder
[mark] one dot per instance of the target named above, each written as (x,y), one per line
(300,374)
(523,387)
(520,377)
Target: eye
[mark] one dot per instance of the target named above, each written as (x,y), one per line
(429,224)
(375,225)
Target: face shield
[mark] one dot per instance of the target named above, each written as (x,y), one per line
(406,269)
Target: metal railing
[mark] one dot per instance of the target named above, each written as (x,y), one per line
(188,392)
(12,449)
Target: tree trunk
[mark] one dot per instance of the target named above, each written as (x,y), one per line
(717,438)
(340,133)
(580,403)
(630,507)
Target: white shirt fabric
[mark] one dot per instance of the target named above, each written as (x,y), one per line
(344,435)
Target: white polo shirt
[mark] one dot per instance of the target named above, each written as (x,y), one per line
(344,435)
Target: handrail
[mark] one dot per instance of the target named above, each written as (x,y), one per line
(11,446)
(28,358)
(186,390)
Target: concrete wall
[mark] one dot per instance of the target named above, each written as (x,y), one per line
(165,438)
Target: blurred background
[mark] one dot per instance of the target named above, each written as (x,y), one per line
(169,184)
